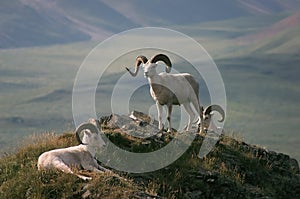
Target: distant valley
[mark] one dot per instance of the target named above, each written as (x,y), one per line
(256,47)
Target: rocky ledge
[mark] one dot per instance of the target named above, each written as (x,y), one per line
(233,169)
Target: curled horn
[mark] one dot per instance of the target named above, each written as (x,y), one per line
(164,58)
(217,108)
(84,126)
(140,59)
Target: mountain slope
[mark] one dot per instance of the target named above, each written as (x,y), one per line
(21,25)
(175,12)
(91,17)
(280,37)
(33,22)
(268,6)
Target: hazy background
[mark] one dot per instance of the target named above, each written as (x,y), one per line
(255,44)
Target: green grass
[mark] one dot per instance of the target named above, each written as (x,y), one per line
(233,168)
(21,179)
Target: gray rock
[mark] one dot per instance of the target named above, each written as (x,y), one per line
(137,124)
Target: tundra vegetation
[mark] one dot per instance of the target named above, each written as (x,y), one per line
(257,55)
(232,169)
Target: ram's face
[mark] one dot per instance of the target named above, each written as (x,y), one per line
(149,69)
(206,121)
(92,139)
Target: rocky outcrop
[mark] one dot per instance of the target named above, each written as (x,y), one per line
(233,169)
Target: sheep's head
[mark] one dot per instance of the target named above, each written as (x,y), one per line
(149,69)
(149,66)
(90,135)
(208,113)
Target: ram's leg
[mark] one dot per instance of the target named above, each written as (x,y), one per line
(199,110)
(159,115)
(201,120)
(96,168)
(91,164)
(100,168)
(169,118)
(59,164)
(191,113)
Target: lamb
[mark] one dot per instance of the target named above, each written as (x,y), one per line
(81,156)
(172,89)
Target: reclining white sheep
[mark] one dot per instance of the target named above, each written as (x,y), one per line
(81,156)
(172,89)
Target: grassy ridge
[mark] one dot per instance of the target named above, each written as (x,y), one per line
(233,168)
(20,178)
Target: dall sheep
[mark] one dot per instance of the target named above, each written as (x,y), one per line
(172,89)
(207,118)
(80,157)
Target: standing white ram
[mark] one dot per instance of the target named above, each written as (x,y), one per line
(172,89)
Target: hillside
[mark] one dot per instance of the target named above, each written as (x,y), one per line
(280,37)
(233,169)
(255,45)
(22,26)
(34,23)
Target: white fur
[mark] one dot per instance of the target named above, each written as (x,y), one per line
(208,124)
(81,156)
(174,89)
(185,91)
